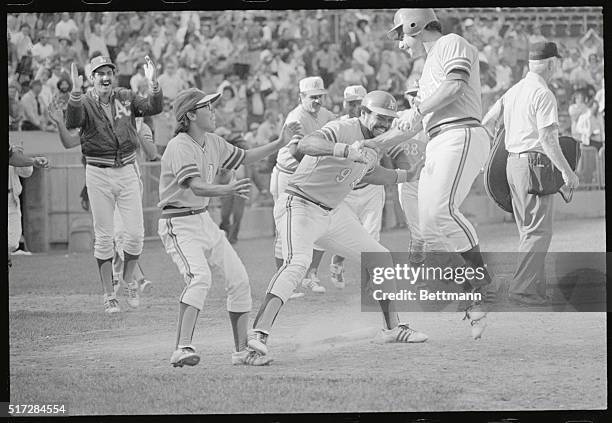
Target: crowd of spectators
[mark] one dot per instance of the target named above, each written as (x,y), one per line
(256,58)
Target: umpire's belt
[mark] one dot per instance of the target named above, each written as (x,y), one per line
(455,124)
(303,197)
(171,211)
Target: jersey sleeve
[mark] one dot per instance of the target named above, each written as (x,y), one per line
(396,150)
(183,162)
(332,132)
(456,57)
(230,156)
(546,110)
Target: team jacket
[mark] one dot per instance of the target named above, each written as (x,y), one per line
(105,143)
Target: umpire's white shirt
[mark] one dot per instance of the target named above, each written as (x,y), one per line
(529,106)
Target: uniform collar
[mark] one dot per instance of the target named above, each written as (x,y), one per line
(535,77)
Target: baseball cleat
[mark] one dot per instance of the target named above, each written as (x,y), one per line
(185,356)
(115,285)
(312,282)
(477,318)
(257,340)
(111,305)
(145,286)
(402,333)
(336,273)
(250,357)
(132,295)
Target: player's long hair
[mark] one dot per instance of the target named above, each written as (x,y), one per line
(182,125)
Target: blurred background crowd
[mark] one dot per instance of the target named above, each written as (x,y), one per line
(256,58)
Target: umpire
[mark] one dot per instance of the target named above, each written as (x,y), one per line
(531,123)
(106,116)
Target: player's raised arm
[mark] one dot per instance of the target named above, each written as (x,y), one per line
(287,132)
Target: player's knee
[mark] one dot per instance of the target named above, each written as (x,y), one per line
(133,241)
(104,246)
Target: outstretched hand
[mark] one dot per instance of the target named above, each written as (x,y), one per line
(150,70)
(241,188)
(289,130)
(77,80)
(55,113)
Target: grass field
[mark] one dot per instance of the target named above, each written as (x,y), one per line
(65,350)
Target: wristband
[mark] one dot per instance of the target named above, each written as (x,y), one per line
(402,176)
(341,150)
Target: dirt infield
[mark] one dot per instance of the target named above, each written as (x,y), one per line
(63,348)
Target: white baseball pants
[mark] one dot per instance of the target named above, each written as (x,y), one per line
(301,224)
(202,253)
(367,203)
(453,160)
(121,188)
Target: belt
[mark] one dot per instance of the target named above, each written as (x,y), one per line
(171,211)
(521,154)
(316,203)
(458,124)
(104,166)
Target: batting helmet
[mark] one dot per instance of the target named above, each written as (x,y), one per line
(410,22)
(380,102)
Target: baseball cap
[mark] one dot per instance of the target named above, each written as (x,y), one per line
(354,92)
(99,61)
(188,99)
(313,85)
(543,50)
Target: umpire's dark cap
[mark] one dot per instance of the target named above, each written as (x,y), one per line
(189,99)
(543,50)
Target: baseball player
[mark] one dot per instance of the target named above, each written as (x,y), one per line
(365,200)
(192,239)
(106,116)
(312,116)
(448,106)
(312,210)
(71,139)
(414,150)
(22,166)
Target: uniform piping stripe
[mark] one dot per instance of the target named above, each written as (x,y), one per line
(187,166)
(232,157)
(330,135)
(187,176)
(286,169)
(459,61)
(289,246)
(187,170)
(236,160)
(178,249)
(464,153)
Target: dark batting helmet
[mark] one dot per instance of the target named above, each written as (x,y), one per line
(380,102)
(410,22)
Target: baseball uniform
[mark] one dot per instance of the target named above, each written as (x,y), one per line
(312,209)
(14,205)
(192,239)
(457,149)
(414,150)
(286,164)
